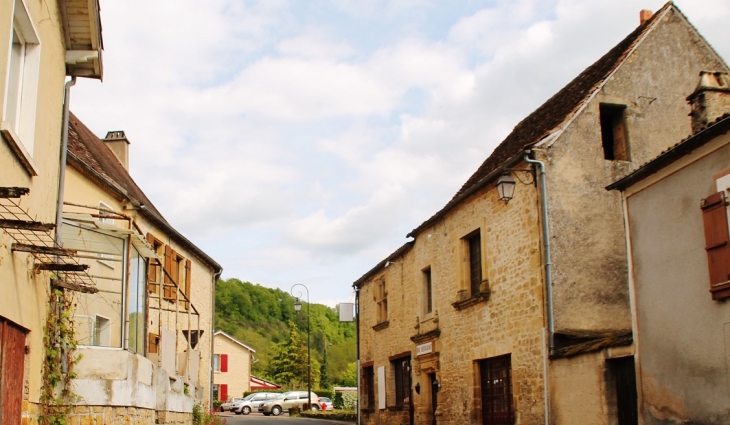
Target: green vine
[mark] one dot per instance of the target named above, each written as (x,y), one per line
(60,344)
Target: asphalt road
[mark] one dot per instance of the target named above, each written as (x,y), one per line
(260,419)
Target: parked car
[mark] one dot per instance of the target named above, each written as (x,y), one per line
(288,400)
(227,405)
(326,403)
(252,402)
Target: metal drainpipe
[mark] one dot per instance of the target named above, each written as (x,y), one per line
(357,338)
(64,156)
(216,276)
(548,275)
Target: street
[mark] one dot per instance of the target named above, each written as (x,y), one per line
(260,419)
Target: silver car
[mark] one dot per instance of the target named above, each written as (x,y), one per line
(288,400)
(252,402)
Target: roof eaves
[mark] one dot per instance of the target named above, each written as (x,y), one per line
(397,253)
(234,340)
(153,216)
(674,153)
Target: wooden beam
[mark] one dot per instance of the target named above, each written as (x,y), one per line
(35,226)
(73,286)
(21,247)
(62,267)
(13,192)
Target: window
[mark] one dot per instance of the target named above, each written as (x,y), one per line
(621,390)
(496,390)
(428,292)
(22,92)
(220,362)
(474,256)
(154,270)
(101,334)
(105,259)
(402,372)
(613,132)
(382,300)
(717,244)
(368,387)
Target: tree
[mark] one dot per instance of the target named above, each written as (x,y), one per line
(289,365)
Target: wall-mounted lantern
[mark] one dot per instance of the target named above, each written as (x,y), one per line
(506,187)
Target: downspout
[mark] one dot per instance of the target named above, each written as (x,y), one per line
(548,281)
(64,156)
(216,276)
(357,337)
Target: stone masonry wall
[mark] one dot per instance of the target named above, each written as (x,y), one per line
(509,322)
(110,415)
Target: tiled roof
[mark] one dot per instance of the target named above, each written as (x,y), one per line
(551,115)
(94,158)
(95,155)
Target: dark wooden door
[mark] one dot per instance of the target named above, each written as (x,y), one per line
(434,396)
(626,396)
(496,383)
(12,357)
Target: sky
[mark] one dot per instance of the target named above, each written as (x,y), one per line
(299,141)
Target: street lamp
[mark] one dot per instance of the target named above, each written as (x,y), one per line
(297,307)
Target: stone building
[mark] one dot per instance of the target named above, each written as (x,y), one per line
(145,329)
(517,311)
(40,45)
(680,267)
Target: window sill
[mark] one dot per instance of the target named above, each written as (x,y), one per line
(368,410)
(473,300)
(381,326)
(419,338)
(18,149)
(397,408)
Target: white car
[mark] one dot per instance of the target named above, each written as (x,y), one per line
(227,405)
(252,402)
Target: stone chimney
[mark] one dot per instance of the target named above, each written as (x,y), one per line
(645,15)
(118,143)
(710,100)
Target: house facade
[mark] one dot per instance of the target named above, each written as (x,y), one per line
(145,330)
(676,213)
(40,47)
(517,311)
(232,362)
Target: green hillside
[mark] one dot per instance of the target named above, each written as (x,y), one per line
(265,319)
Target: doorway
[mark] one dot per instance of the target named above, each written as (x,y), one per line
(434,396)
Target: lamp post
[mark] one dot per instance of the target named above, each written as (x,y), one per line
(297,307)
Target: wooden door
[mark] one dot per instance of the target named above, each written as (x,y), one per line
(12,358)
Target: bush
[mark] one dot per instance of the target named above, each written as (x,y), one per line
(338,402)
(201,417)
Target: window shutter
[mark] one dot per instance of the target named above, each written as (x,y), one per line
(716,244)
(224,362)
(224,392)
(188,276)
(152,268)
(153,341)
(167,292)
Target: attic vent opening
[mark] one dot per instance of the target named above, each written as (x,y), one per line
(613,132)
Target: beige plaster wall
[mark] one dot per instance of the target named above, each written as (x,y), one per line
(510,322)
(25,293)
(238,377)
(682,333)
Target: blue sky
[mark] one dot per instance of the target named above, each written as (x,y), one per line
(300,141)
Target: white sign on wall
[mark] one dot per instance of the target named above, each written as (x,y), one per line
(424,348)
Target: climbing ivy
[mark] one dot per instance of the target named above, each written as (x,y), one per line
(60,356)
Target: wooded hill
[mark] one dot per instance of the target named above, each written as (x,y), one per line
(265,319)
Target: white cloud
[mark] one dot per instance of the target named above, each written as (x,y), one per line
(301,141)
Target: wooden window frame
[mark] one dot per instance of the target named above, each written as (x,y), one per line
(428,290)
(368,386)
(381,299)
(474,266)
(153,267)
(402,380)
